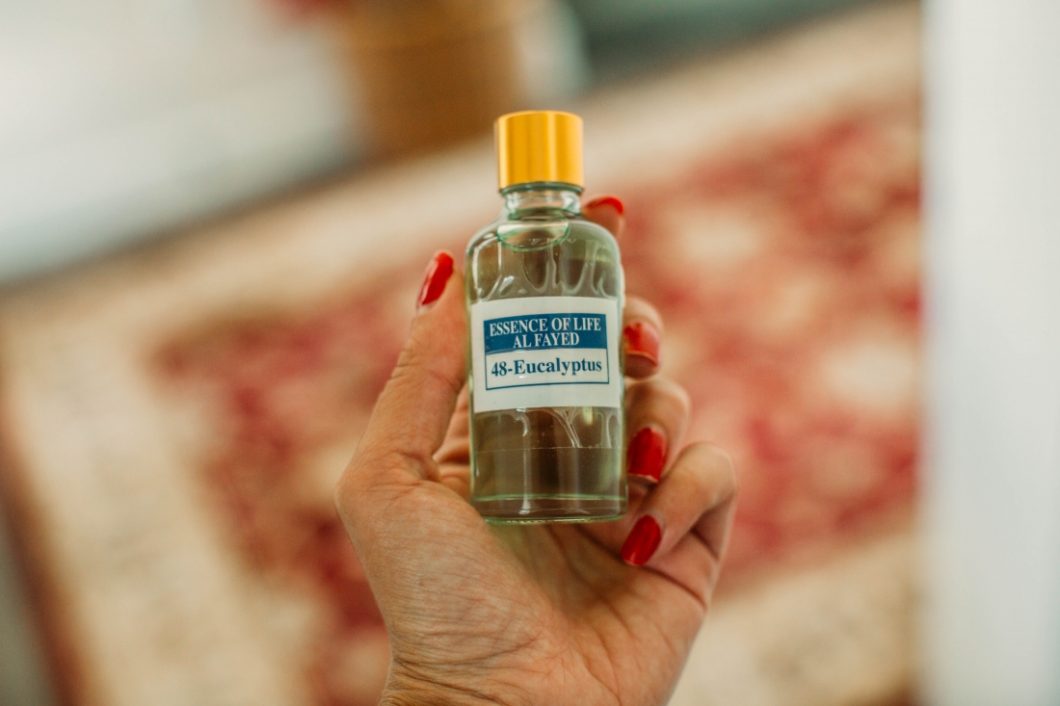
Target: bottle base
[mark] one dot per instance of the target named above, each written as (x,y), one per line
(538,509)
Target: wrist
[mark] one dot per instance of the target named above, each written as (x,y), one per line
(407,689)
(403,696)
(406,695)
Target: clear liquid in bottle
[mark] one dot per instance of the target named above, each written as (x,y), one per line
(544,293)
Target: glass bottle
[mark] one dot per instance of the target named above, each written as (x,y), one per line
(544,295)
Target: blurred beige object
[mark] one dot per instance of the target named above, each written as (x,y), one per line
(838,633)
(432,71)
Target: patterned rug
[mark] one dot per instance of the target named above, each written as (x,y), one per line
(176,418)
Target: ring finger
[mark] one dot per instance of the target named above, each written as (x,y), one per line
(657,413)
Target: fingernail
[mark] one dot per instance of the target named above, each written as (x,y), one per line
(438,272)
(609,201)
(642,339)
(642,541)
(647,454)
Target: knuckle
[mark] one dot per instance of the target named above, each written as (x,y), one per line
(662,392)
(414,367)
(641,308)
(710,464)
(375,476)
(344,492)
(677,395)
(726,466)
(408,362)
(387,457)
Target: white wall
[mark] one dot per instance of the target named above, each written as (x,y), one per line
(992,462)
(120,119)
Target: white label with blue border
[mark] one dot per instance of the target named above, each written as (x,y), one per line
(545,352)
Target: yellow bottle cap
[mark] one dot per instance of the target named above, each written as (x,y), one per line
(539,145)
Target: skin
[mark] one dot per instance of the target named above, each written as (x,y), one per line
(540,614)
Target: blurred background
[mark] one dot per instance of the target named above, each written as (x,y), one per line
(214,218)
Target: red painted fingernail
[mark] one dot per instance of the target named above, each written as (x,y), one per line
(642,541)
(647,454)
(438,273)
(642,339)
(609,201)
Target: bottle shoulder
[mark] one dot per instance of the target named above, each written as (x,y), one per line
(543,257)
(556,231)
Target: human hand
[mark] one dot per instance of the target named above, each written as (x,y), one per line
(535,614)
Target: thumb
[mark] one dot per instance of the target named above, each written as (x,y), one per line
(412,414)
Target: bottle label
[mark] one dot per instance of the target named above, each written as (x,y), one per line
(545,352)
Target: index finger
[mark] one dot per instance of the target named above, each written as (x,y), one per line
(607,211)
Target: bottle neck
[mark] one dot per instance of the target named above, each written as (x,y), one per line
(541,199)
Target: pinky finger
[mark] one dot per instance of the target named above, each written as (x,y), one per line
(695,501)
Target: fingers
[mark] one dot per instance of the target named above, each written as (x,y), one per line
(638,311)
(684,522)
(642,325)
(411,416)
(608,211)
(657,413)
(455,448)
(641,338)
